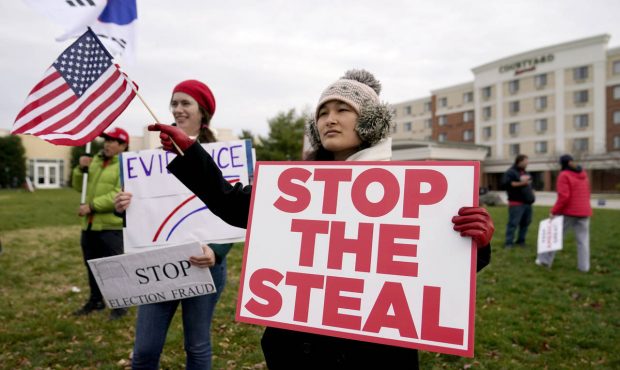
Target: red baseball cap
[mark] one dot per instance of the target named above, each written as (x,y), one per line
(116,133)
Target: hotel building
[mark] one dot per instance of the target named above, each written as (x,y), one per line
(543,103)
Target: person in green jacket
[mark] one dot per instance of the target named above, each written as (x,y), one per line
(102,230)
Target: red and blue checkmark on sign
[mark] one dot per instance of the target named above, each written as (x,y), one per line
(231,179)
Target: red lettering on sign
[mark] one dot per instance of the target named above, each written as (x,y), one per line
(431,330)
(414,197)
(334,301)
(391,295)
(332,178)
(288,187)
(304,284)
(308,230)
(266,292)
(339,245)
(388,249)
(391,192)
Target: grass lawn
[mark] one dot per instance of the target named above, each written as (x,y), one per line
(527,317)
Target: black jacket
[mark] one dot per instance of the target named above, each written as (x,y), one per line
(523,194)
(286,349)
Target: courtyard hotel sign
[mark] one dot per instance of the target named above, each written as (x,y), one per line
(526,65)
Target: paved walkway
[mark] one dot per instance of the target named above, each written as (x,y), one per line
(547,198)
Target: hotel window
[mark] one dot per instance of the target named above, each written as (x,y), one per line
(408,110)
(513,86)
(468,97)
(541,125)
(468,116)
(427,106)
(443,120)
(617,117)
(540,147)
(486,132)
(540,102)
(442,137)
(540,81)
(514,149)
(580,73)
(513,128)
(580,145)
(394,128)
(486,113)
(468,135)
(489,152)
(486,92)
(617,142)
(581,96)
(443,102)
(394,112)
(428,123)
(407,126)
(513,107)
(617,67)
(617,92)
(580,121)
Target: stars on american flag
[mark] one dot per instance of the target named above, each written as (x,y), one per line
(82,64)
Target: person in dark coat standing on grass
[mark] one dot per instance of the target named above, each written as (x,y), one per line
(518,185)
(573,203)
(102,230)
(349,124)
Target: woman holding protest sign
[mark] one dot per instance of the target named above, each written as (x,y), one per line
(349,124)
(192,105)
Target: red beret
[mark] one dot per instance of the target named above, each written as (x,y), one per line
(200,92)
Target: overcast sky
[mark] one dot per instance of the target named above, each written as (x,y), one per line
(263,57)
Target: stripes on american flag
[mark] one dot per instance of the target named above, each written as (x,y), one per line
(80,95)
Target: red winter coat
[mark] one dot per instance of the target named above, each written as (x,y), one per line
(573,195)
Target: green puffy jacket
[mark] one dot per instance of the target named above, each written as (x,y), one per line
(103,185)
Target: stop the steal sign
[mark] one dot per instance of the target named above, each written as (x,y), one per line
(364,251)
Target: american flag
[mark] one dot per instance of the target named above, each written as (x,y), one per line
(80,95)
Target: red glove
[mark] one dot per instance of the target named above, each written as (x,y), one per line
(169,134)
(476,223)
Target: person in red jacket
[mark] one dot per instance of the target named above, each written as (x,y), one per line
(574,204)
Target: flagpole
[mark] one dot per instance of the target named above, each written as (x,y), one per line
(150,111)
(85,178)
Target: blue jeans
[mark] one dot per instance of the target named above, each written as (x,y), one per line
(154,320)
(520,216)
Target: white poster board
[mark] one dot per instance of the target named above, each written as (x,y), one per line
(550,234)
(164,212)
(158,275)
(363,250)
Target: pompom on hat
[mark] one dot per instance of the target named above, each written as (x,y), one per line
(200,92)
(360,89)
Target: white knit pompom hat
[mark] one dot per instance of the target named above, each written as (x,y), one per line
(360,89)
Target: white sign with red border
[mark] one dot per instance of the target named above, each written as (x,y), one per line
(364,251)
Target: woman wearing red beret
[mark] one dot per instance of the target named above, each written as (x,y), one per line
(192,105)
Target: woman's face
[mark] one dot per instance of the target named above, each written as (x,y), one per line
(186,114)
(336,124)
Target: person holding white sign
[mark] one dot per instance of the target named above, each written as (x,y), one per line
(574,204)
(192,105)
(350,124)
